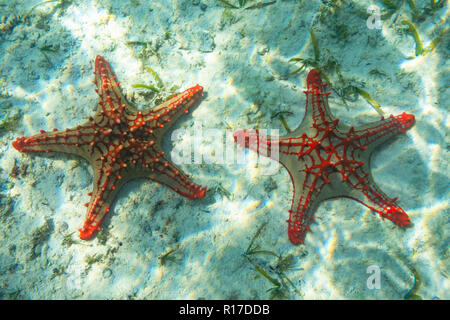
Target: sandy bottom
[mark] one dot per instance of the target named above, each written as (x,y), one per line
(158,245)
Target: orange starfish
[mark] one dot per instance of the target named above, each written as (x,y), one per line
(121,143)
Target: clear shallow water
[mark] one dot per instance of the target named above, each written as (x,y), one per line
(241,58)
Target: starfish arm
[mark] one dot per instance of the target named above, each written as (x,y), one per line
(107,182)
(72,141)
(361,187)
(373,134)
(304,202)
(264,145)
(169,111)
(276,148)
(167,173)
(317,113)
(111,104)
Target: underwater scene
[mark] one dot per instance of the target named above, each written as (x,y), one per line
(224,149)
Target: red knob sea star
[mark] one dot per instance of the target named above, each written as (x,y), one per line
(121,143)
(327,159)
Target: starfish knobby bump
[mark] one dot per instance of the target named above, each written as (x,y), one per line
(328,159)
(121,143)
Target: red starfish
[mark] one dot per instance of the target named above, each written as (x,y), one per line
(121,143)
(327,159)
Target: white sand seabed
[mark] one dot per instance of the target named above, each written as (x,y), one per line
(241,58)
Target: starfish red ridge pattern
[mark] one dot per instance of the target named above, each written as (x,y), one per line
(121,143)
(328,159)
